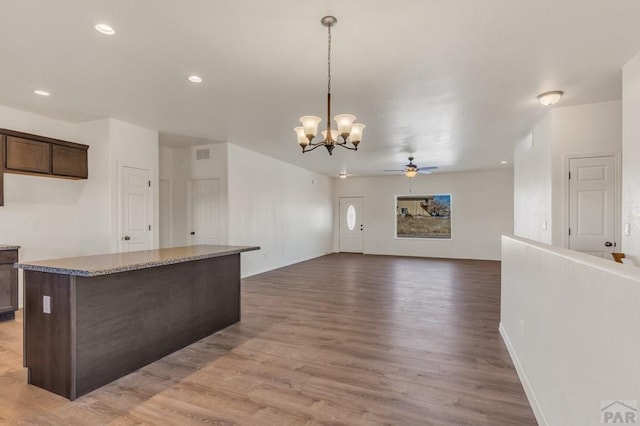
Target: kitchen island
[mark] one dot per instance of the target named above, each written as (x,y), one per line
(90,320)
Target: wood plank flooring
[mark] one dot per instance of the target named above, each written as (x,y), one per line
(342,339)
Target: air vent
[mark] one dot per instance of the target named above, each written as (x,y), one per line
(202,154)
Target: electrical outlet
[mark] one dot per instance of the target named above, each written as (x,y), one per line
(46,304)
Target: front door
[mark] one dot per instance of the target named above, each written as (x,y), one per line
(205,214)
(135,209)
(351,225)
(592,220)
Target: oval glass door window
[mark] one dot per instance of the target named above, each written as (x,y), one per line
(351,217)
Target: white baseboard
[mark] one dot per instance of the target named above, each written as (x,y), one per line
(528,390)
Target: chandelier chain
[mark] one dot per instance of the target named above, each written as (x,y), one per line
(329,62)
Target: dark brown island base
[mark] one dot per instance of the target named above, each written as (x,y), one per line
(90,320)
(8,282)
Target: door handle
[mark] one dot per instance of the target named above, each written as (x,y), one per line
(608,244)
(127,238)
(193,233)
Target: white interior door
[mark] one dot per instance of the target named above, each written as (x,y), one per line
(165,213)
(592,220)
(135,209)
(205,211)
(351,225)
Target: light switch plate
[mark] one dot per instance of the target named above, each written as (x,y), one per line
(627,229)
(46,304)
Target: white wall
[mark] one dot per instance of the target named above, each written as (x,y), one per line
(532,184)
(284,209)
(482,210)
(94,208)
(630,159)
(570,322)
(591,129)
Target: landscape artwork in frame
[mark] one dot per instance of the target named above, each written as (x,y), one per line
(423,216)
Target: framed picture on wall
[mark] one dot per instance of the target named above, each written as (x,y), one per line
(423,216)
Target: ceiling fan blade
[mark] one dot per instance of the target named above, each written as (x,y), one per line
(428,168)
(393,170)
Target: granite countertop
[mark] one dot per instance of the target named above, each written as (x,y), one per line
(103,264)
(8,247)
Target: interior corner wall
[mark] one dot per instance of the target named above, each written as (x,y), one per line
(481,204)
(94,213)
(284,209)
(532,184)
(578,131)
(631,154)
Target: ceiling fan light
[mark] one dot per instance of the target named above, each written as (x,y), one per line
(410,173)
(302,138)
(356,133)
(550,98)
(345,121)
(310,125)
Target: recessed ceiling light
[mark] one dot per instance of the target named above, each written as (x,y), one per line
(195,79)
(504,162)
(550,98)
(41,92)
(105,29)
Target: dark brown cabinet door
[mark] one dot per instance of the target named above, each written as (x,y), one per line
(8,288)
(28,155)
(69,161)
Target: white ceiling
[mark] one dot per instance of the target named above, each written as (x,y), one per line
(451,81)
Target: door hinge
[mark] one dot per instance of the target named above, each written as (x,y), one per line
(569,231)
(569,175)
(149,227)
(149,184)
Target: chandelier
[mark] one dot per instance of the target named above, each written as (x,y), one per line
(349,131)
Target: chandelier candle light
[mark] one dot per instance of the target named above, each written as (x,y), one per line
(349,131)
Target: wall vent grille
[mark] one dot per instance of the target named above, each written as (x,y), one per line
(202,154)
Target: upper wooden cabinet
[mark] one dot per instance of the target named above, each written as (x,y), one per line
(40,155)
(69,161)
(24,153)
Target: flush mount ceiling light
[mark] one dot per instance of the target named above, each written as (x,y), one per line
(504,162)
(41,92)
(105,29)
(349,131)
(195,79)
(550,98)
(342,175)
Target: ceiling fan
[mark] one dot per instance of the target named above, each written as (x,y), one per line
(410,170)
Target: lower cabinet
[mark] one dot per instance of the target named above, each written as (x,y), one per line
(8,285)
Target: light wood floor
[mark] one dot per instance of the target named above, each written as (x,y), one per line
(342,339)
